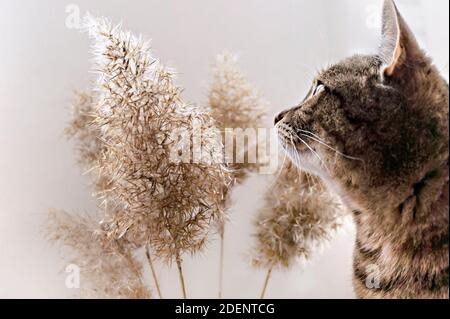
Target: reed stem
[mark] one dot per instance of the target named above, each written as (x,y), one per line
(180,272)
(155,278)
(266,282)
(221,266)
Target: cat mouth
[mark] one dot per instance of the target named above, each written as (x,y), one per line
(303,154)
(290,140)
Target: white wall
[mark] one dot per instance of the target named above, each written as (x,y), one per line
(281,44)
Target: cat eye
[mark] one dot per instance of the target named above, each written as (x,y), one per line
(320,87)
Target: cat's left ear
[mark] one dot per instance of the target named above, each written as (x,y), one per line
(399,46)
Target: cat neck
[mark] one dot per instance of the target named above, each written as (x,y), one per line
(421,215)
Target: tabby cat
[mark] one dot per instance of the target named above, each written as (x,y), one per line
(375,129)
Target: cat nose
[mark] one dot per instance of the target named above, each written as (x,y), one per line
(280,117)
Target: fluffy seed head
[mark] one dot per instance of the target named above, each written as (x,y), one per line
(298,216)
(143,122)
(235,103)
(108,268)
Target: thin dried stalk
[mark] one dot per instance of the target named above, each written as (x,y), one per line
(152,268)
(234,103)
(221,263)
(266,283)
(181,275)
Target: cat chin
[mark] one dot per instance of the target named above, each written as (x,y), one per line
(309,163)
(305,160)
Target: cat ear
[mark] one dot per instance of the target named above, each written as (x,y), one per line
(398,43)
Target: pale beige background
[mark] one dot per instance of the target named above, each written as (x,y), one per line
(280,42)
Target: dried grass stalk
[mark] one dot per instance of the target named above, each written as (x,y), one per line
(299,215)
(167,204)
(108,268)
(153,271)
(234,103)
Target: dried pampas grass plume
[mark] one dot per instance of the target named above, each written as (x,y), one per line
(108,268)
(298,216)
(82,130)
(86,134)
(164,202)
(234,103)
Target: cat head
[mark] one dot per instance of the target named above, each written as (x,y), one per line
(372,124)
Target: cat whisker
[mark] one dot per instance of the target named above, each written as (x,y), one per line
(310,179)
(322,163)
(289,136)
(292,148)
(316,154)
(280,171)
(320,141)
(311,133)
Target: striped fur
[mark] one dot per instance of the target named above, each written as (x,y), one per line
(405,255)
(376,130)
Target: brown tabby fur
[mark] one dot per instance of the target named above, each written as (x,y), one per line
(376,130)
